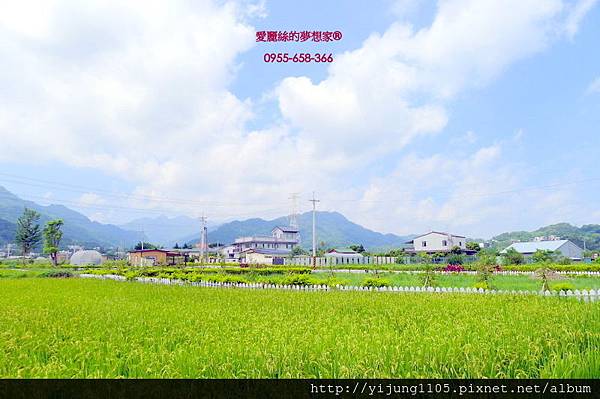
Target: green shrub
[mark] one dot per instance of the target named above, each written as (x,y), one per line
(576,267)
(298,279)
(562,287)
(131,275)
(563,260)
(56,274)
(334,281)
(374,282)
(482,285)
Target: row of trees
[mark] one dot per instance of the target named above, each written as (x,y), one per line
(29,234)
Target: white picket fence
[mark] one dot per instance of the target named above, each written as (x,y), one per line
(502,272)
(585,295)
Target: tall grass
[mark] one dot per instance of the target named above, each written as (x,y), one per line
(85,328)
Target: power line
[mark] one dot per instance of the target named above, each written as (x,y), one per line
(22,180)
(467,194)
(132,209)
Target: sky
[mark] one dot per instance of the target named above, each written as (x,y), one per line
(470,116)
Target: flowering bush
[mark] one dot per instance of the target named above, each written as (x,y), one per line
(453,268)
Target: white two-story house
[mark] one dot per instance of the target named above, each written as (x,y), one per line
(436,241)
(279,244)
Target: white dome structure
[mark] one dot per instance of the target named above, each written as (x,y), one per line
(86,257)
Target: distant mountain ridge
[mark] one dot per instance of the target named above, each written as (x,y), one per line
(589,233)
(333,229)
(78,228)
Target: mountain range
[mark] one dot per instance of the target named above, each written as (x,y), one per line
(333,230)
(78,228)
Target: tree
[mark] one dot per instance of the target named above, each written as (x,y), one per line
(52,236)
(513,257)
(428,278)
(176,246)
(357,248)
(543,255)
(146,245)
(485,270)
(424,257)
(186,246)
(456,250)
(28,234)
(473,246)
(456,259)
(395,253)
(298,251)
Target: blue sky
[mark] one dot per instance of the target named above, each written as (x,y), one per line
(471,116)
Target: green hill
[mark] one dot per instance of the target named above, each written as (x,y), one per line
(78,229)
(589,233)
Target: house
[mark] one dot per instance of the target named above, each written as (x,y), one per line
(286,233)
(343,253)
(264,256)
(228,252)
(437,241)
(282,239)
(155,257)
(565,247)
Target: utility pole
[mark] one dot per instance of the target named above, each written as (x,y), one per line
(202,237)
(314,230)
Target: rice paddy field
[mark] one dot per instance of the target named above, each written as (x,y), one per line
(76,328)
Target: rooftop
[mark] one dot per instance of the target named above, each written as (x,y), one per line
(532,246)
(434,232)
(265,251)
(287,229)
(262,239)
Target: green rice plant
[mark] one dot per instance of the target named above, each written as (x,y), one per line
(85,328)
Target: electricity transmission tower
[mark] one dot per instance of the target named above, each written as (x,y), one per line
(203,238)
(314,230)
(294,215)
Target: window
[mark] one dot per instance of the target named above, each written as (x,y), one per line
(460,243)
(444,243)
(423,243)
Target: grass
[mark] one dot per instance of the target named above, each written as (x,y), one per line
(71,328)
(21,273)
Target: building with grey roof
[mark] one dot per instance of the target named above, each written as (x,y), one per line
(565,247)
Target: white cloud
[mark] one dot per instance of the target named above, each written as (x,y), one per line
(396,86)
(403,9)
(576,14)
(141,90)
(594,86)
(479,194)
